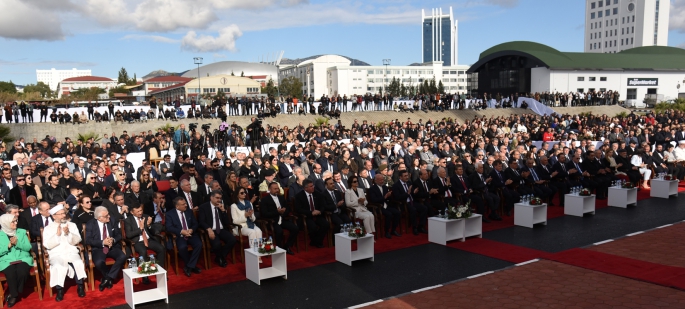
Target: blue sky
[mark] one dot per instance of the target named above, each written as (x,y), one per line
(147,35)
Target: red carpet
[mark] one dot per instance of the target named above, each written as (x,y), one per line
(217,276)
(621,266)
(498,250)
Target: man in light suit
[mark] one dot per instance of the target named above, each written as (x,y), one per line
(182,223)
(166,168)
(104,237)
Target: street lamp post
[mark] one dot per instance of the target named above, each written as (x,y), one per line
(386,63)
(198,61)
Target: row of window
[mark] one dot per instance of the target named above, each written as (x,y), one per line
(611,22)
(610,33)
(591,79)
(252,89)
(601,3)
(611,43)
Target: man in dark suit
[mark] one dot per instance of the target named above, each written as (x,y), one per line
(403,191)
(192,198)
(171,194)
(204,189)
(135,196)
(104,237)
(42,219)
(310,205)
(20,192)
(111,179)
(26,216)
(499,182)
(285,170)
(274,207)
(599,173)
(438,190)
(316,173)
(538,180)
(119,210)
(213,218)
(380,194)
(138,231)
(335,203)
(480,194)
(517,178)
(182,223)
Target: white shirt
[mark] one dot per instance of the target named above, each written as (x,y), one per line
(214,227)
(140,238)
(278,206)
(119,210)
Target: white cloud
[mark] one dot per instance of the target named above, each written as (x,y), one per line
(207,43)
(170,15)
(20,20)
(677,17)
(218,56)
(146,37)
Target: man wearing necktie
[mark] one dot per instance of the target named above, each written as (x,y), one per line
(310,205)
(577,174)
(517,177)
(403,192)
(181,222)
(500,183)
(478,187)
(275,207)
(538,180)
(213,218)
(439,189)
(104,237)
(138,231)
(335,202)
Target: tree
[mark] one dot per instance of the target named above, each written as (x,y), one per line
(40,87)
(232,73)
(5,134)
(8,87)
(291,86)
(270,88)
(242,74)
(86,94)
(403,90)
(441,88)
(123,76)
(432,88)
(394,87)
(119,89)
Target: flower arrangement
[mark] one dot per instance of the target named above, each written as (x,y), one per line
(535,201)
(267,247)
(147,268)
(585,192)
(627,185)
(459,211)
(668,177)
(357,231)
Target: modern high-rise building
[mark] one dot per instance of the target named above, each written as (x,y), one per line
(439,37)
(53,76)
(615,25)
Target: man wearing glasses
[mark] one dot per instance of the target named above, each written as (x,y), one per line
(18,194)
(105,239)
(61,239)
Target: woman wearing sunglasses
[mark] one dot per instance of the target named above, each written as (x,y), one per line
(242,213)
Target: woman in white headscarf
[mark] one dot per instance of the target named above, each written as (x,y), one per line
(15,257)
(61,239)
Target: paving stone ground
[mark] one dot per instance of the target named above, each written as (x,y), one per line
(543,284)
(662,246)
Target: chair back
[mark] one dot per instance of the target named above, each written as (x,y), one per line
(162,185)
(153,153)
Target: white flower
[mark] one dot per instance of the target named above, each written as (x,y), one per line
(458,215)
(153,268)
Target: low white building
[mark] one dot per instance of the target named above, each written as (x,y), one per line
(75,83)
(333,75)
(53,76)
(527,67)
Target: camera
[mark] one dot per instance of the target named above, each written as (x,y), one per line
(192,126)
(206,126)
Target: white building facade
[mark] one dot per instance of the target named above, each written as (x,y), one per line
(632,85)
(53,76)
(332,75)
(72,84)
(615,25)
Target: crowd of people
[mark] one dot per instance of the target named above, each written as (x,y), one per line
(66,195)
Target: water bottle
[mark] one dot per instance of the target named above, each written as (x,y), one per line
(255,245)
(270,240)
(133,265)
(152,259)
(445,213)
(141,260)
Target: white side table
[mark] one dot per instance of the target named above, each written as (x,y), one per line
(620,197)
(343,248)
(441,230)
(473,226)
(528,215)
(663,188)
(134,298)
(278,265)
(578,205)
